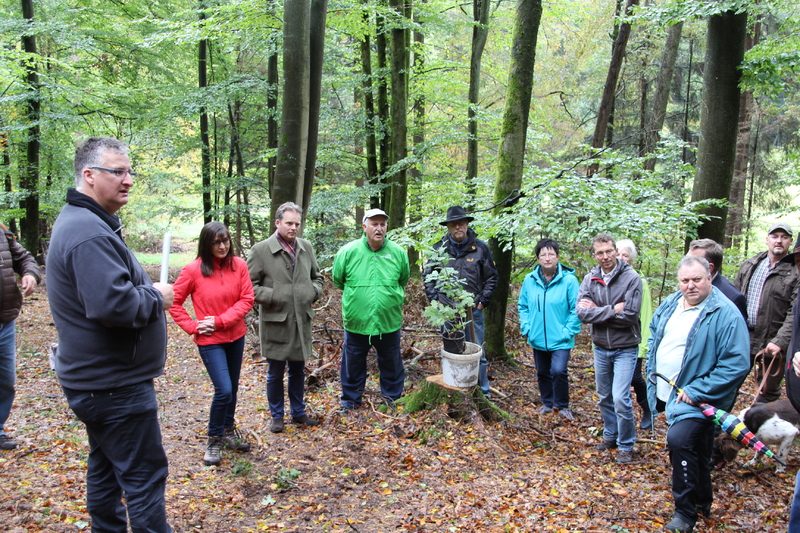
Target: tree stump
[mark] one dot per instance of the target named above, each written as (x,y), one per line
(461,403)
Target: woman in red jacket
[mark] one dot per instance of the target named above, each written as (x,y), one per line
(222,293)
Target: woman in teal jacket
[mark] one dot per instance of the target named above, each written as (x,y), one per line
(548,318)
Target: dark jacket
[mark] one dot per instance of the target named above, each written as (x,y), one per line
(610,330)
(775,311)
(14,259)
(715,361)
(732,293)
(474,264)
(112,330)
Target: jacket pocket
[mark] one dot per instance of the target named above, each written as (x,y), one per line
(275,327)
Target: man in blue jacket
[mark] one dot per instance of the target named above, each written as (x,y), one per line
(698,340)
(112,342)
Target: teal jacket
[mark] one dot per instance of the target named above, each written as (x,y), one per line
(373,284)
(716,360)
(547,315)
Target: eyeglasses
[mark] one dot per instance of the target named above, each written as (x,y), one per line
(226,241)
(119,172)
(608,253)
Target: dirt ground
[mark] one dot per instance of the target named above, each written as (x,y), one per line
(369,471)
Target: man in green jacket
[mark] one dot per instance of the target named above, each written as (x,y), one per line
(286,281)
(373,272)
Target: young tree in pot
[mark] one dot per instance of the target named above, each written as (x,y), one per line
(450,310)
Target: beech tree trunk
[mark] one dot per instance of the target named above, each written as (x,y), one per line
(480,33)
(609,90)
(383,109)
(661,95)
(510,161)
(398,181)
(205,141)
(719,118)
(369,116)
(29,173)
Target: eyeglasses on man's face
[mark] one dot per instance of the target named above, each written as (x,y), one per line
(605,253)
(118,172)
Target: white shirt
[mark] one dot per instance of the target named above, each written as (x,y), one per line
(672,348)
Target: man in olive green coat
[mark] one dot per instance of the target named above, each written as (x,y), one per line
(286,281)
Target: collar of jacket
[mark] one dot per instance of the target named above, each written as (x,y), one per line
(78,199)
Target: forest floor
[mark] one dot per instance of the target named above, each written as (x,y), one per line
(369,471)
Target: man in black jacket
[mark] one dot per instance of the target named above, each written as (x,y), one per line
(711,251)
(473,261)
(112,342)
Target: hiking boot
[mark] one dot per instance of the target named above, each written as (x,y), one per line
(566,413)
(624,457)
(277,425)
(606,445)
(234,440)
(679,525)
(6,443)
(545,410)
(213,449)
(305,420)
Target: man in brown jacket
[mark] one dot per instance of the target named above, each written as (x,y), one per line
(770,286)
(14,259)
(286,281)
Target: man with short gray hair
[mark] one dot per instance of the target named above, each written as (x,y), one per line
(698,340)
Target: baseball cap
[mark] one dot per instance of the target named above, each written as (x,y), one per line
(373,213)
(782,226)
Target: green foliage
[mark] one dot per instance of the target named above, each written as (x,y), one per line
(448,283)
(242,467)
(284,479)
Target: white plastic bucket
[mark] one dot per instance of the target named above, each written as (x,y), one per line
(461,370)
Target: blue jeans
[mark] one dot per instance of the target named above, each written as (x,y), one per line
(794,515)
(126,458)
(297,381)
(224,364)
(8,370)
(483,370)
(551,369)
(690,442)
(354,366)
(613,371)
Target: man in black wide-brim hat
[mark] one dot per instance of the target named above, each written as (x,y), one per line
(473,261)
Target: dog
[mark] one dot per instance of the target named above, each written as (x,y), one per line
(776,424)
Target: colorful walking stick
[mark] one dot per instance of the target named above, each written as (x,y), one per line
(729,423)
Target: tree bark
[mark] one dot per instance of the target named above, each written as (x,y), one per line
(661,95)
(205,149)
(480,33)
(734,225)
(398,181)
(293,142)
(719,118)
(319,12)
(610,88)
(510,160)
(418,138)
(383,108)
(369,115)
(29,174)
(272,113)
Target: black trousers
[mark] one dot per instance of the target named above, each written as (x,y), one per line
(690,442)
(126,458)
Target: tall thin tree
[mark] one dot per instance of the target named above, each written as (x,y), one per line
(29,175)
(480,33)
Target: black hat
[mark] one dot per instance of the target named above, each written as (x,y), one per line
(456,213)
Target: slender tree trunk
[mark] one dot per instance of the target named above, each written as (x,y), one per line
(609,90)
(418,138)
(5,164)
(319,11)
(661,95)
(369,116)
(398,181)
(510,160)
(205,151)
(293,143)
(272,113)
(29,174)
(734,224)
(480,33)
(719,118)
(383,107)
